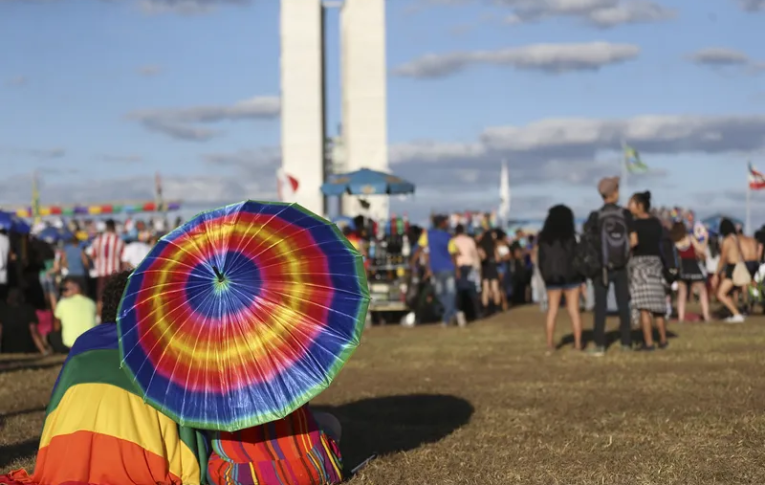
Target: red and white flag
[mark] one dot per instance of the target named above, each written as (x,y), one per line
(756,179)
(287,186)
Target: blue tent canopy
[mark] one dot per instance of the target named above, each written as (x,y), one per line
(11,222)
(712,223)
(366,182)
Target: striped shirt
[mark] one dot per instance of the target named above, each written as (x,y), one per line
(106,251)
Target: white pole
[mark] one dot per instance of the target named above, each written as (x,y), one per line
(748,223)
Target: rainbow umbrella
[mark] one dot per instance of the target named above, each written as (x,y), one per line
(242,315)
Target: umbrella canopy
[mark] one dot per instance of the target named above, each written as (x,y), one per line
(242,315)
(12,222)
(366,182)
(54,234)
(713,222)
(344,221)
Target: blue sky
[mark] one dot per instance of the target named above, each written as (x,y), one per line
(98,96)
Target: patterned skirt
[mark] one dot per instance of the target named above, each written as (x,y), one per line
(648,289)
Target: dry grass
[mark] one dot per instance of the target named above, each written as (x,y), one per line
(484,405)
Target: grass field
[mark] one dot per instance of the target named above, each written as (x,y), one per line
(484,405)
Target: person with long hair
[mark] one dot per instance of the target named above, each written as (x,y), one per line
(555,255)
(487,248)
(692,275)
(735,248)
(647,284)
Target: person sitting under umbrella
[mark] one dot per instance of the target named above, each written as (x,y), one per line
(301,449)
(99,430)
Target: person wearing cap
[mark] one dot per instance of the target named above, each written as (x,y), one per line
(614,228)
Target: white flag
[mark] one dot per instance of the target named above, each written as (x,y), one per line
(504,196)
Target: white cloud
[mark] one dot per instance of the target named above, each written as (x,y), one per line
(197,190)
(599,13)
(38,154)
(551,139)
(121,159)
(186,7)
(721,57)
(181,123)
(752,5)
(551,58)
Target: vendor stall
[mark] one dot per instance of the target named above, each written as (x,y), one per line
(387,245)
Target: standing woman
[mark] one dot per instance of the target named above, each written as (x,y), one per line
(647,285)
(692,275)
(555,255)
(487,248)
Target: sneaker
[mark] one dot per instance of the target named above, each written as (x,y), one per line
(647,348)
(626,348)
(461,320)
(597,351)
(663,346)
(735,319)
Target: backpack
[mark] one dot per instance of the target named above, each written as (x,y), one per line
(586,260)
(614,237)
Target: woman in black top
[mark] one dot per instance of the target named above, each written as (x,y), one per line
(18,326)
(647,286)
(487,248)
(555,255)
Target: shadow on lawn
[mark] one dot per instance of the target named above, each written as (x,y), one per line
(612,337)
(29,366)
(15,451)
(390,424)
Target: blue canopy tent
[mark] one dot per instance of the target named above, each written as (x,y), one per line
(53,234)
(366,182)
(11,222)
(344,221)
(712,223)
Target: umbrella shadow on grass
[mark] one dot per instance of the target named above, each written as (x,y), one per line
(390,424)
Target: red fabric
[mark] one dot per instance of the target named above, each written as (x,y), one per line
(45,322)
(687,253)
(16,477)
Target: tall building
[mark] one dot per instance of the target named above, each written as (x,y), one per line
(364,95)
(363,90)
(302,94)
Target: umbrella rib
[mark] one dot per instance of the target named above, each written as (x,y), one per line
(259,250)
(252,237)
(263,348)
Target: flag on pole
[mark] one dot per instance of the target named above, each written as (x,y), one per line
(756,179)
(504,195)
(35,198)
(633,162)
(158,200)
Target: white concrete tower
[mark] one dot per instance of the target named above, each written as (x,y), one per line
(364,95)
(303,130)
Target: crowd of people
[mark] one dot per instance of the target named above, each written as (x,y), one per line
(52,279)
(654,260)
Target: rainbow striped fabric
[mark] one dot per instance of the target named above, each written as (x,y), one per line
(290,451)
(98,430)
